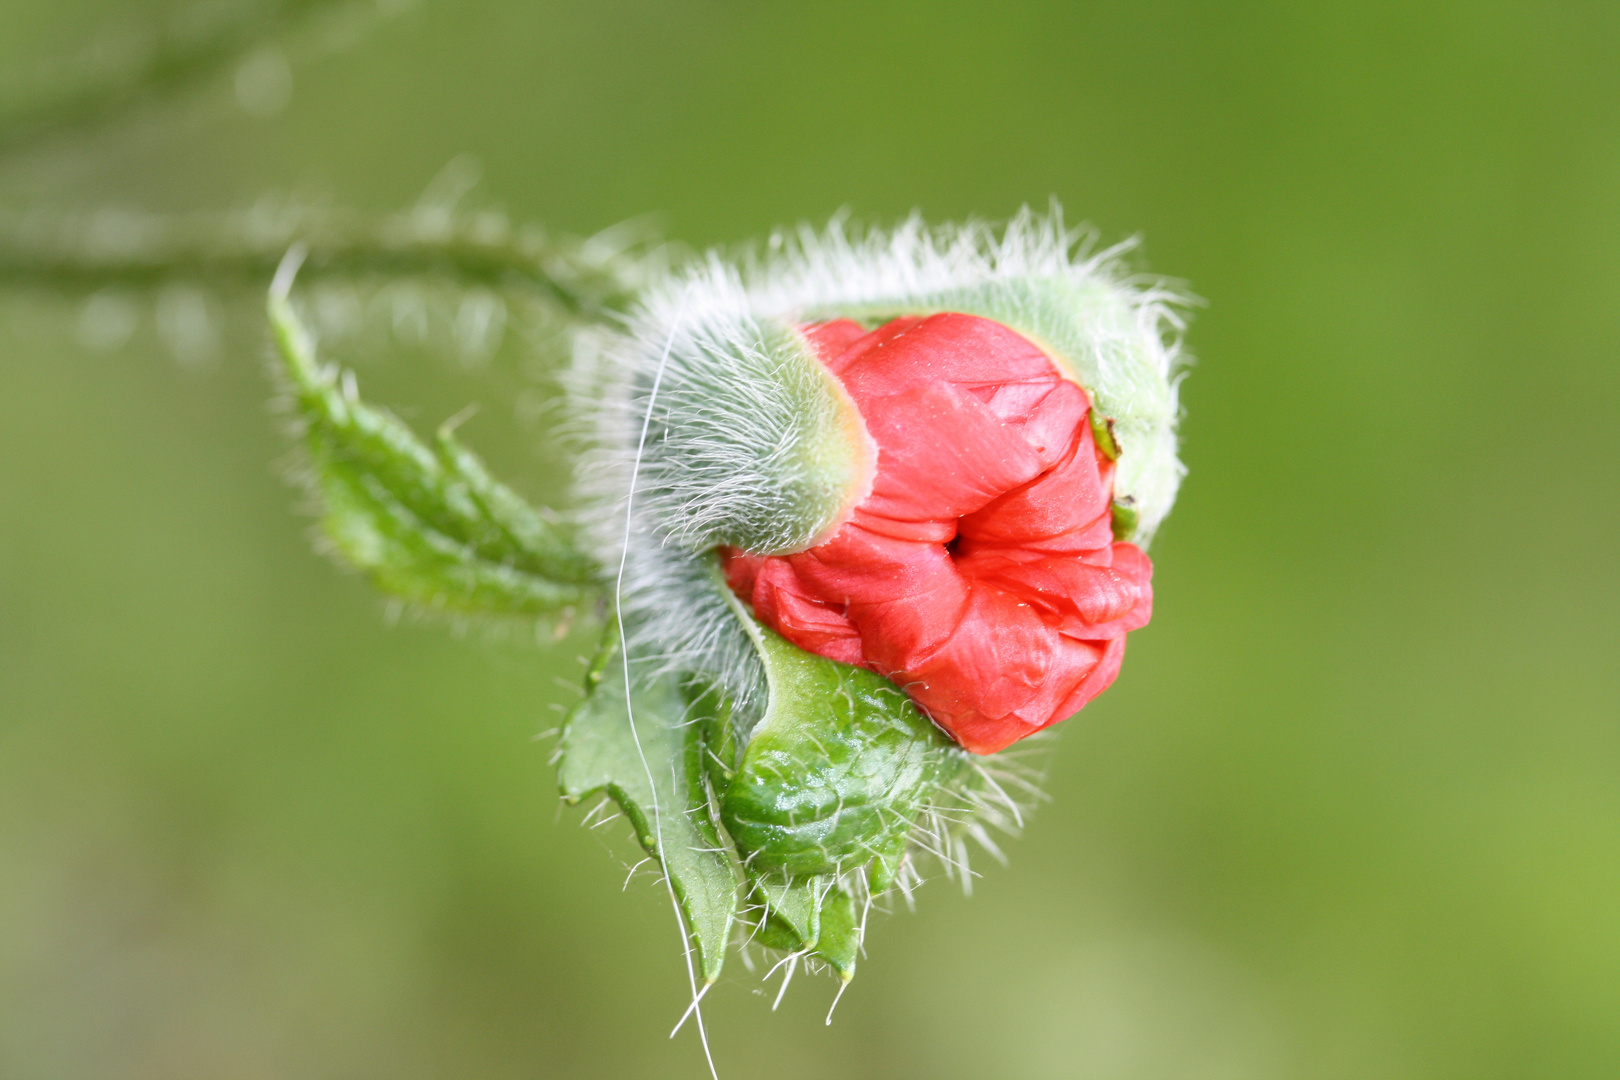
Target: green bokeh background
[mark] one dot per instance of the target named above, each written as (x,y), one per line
(1352,809)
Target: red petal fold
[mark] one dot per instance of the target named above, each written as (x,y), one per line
(981,573)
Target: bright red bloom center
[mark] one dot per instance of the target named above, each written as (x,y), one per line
(981,573)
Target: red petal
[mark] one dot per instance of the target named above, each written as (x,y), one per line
(981,573)
(1095,598)
(780,599)
(1067,508)
(832,338)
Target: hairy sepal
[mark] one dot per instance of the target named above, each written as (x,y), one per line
(649,751)
(790,825)
(837,772)
(426,522)
(750,441)
(816,916)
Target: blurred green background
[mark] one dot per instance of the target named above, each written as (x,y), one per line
(1352,809)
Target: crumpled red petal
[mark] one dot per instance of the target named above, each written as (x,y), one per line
(981,573)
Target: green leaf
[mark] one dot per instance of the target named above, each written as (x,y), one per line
(837,771)
(427,523)
(649,753)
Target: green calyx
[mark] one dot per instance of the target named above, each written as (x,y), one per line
(836,772)
(789,836)
(817,916)
(1124,519)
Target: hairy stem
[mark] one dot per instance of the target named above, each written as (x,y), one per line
(79,252)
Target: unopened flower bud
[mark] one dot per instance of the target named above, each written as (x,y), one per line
(933,454)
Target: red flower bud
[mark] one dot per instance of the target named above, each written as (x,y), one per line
(980,573)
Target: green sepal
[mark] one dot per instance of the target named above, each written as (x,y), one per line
(777,933)
(837,771)
(428,524)
(840,941)
(815,915)
(886,863)
(649,753)
(1125,518)
(795,904)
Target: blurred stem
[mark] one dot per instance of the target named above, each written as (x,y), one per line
(177,56)
(85,251)
(80,252)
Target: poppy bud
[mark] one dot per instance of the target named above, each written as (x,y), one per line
(930,453)
(847,502)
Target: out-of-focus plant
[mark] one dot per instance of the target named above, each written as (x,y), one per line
(437,270)
(249,46)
